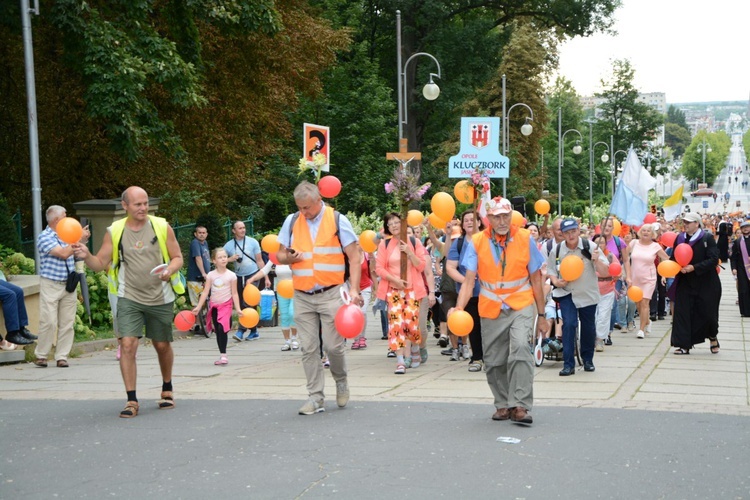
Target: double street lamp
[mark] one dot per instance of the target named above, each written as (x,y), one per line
(614,165)
(526,128)
(560,152)
(704,148)
(430,91)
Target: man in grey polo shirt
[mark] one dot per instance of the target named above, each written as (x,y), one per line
(578,298)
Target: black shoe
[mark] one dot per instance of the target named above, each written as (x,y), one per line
(653,317)
(588,366)
(660,318)
(618,326)
(25,333)
(443,341)
(384,337)
(15,337)
(608,340)
(567,371)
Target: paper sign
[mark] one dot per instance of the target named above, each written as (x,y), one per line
(480,149)
(316,139)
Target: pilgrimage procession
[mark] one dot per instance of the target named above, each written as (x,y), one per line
(253,242)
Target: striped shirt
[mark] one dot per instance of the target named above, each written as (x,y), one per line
(52,268)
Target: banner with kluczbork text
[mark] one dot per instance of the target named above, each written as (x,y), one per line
(480,149)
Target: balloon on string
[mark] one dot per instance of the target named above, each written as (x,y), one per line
(615,269)
(69,230)
(443,206)
(251,295)
(184,321)
(285,288)
(683,254)
(349,321)
(436,221)
(464,192)
(414,217)
(270,243)
(542,207)
(649,218)
(571,267)
(249,318)
(668,238)
(367,241)
(635,293)
(460,323)
(517,219)
(668,268)
(329,186)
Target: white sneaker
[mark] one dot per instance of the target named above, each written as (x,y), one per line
(648,327)
(465,352)
(640,334)
(599,345)
(295,344)
(287,346)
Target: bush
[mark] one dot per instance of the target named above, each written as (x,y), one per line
(13,263)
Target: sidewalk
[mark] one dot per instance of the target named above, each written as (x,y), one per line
(631,374)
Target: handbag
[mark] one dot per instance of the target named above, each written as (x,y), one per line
(72,282)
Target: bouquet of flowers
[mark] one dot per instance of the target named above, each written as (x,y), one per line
(318,161)
(479,181)
(404,186)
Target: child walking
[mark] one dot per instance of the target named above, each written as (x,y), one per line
(221,284)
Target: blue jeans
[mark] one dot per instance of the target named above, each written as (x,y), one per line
(618,311)
(570,316)
(14,308)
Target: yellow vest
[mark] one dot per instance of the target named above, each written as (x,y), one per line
(511,286)
(324,262)
(160,229)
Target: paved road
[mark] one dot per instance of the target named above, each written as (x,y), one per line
(646,424)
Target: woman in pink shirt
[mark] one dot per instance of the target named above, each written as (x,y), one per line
(402,296)
(643,251)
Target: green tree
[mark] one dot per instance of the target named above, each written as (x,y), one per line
(692,162)
(8,232)
(676,137)
(676,116)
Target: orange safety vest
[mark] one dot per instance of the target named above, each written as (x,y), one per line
(511,287)
(324,263)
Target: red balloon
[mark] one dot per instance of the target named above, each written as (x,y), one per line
(667,239)
(649,218)
(184,321)
(615,269)
(683,254)
(598,229)
(349,321)
(329,186)
(272,257)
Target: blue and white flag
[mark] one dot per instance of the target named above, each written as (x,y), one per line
(630,203)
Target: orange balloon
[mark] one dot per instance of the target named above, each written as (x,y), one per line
(367,241)
(517,219)
(414,217)
(571,267)
(464,192)
(443,206)
(668,268)
(616,227)
(285,288)
(270,243)
(184,321)
(251,295)
(542,207)
(249,318)
(635,294)
(460,323)
(69,230)
(436,221)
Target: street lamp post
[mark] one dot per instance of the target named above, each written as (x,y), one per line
(704,148)
(526,128)
(560,151)
(614,167)
(430,91)
(604,158)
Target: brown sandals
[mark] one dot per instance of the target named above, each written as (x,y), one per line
(167,401)
(130,411)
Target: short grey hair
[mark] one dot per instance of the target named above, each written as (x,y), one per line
(54,211)
(306,191)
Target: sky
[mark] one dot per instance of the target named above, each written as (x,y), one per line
(693,51)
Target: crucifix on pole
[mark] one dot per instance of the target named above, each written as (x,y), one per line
(403,157)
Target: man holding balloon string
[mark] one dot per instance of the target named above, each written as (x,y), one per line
(572,267)
(314,246)
(508,265)
(57,302)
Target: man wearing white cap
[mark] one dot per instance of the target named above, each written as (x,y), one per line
(696,290)
(508,264)
(740,262)
(577,298)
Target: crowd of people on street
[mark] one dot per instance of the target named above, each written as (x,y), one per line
(508,278)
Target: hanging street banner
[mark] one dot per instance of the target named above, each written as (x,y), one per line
(316,140)
(480,149)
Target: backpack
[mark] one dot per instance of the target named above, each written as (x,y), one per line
(446,283)
(585,251)
(336,215)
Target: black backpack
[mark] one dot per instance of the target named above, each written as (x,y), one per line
(585,251)
(337,215)
(446,283)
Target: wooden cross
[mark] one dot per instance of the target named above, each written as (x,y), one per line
(403,157)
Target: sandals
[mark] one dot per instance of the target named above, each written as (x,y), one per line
(714,347)
(400,369)
(130,411)
(223,360)
(682,352)
(167,401)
